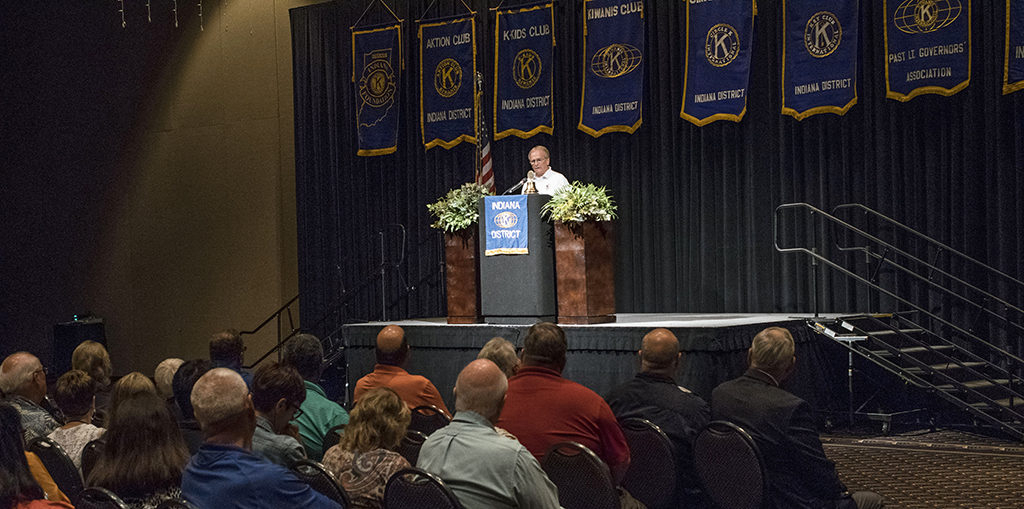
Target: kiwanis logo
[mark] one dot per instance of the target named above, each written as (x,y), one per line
(722,45)
(447,77)
(822,34)
(377,83)
(923,16)
(506,219)
(526,68)
(615,60)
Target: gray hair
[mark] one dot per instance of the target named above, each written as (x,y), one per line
(218,395)
(501,352)
(164,376)
(16,371)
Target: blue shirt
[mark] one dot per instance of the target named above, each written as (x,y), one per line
(224,477)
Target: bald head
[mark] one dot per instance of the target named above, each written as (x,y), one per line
(481,388)
(22,374)
(660,352)
(392,348)
(219,398)
(772,350)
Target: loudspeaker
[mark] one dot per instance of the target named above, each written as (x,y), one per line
(68,335)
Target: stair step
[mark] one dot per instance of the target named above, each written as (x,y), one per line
(1005,403)
(889,332)
(947,366)
(976,384)
(913,350)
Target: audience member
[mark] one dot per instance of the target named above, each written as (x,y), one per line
(181,385)
(224,473)
(127,387)
(483,469)
(163,377)
(143,454)
(227,350)
(76,395)
(23,381)
(92,357)
(392,354)
(782,425)
(503,353)
(319,414)
(365,458)
(19,488)
(277,394)
(543,408)
(654,395)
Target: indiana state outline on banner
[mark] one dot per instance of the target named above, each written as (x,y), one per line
(524,40)
(716,67)
(376,71)
(819,57)
(447,74)
(613,66)
(506,225)
(1013,69)
(927,47)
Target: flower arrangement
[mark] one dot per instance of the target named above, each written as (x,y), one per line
(577,203)
(457,210)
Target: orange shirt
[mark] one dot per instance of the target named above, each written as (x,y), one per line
(42,476)
(414,390)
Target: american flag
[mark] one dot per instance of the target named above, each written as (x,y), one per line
(484,168)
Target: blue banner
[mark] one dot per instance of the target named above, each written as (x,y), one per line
(819,57)
(1013,73)
(524,41)
(447,74)
(376,71)
(927,47)
(716,67)
(506,225)
(613,67)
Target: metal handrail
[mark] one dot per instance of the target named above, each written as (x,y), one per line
(276,315)
(815,256)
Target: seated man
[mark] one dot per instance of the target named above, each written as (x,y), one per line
(543,408)
(782,425)
(227,350)
(484,469)
(181,385)
(23,382)
(654,395)
(392,354)
(318,414)
(277,393)
(224,473)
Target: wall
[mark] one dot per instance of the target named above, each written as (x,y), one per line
(149,173)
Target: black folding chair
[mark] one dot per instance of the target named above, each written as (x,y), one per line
(583,479)
(428,419)
(318,478)
(413,488)
(99,498)
(730,467)
(90,453)
(175,503)
(333,436)
(59,465)
(651,477)
(410,445)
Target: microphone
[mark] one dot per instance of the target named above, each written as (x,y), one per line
(515,187)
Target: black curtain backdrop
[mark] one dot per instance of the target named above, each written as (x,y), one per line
(695,203)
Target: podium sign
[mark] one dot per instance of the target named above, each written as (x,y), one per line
(517,288)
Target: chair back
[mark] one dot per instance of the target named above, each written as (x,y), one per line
(333,436)
(95,497)
(583,479)
(318,478)
(413,488)
(651,477)
(410,445)
(90,453)
(59,465)
(729,465)
(175,503)
(428,419)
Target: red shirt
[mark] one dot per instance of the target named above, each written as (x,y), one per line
(542,409)
(414,390)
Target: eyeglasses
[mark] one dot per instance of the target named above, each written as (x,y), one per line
(538,160)
(298,413)
(42,370)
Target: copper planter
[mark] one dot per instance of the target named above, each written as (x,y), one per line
(461,276)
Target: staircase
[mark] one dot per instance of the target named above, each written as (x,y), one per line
(947,337)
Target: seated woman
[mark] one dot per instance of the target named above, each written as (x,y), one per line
(364,459)
(19,488)
(130,385)
(76,395)
(92,357)
(144,454)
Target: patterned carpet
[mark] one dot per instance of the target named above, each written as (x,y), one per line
(933,470)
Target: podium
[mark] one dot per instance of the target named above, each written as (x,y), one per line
(520,288)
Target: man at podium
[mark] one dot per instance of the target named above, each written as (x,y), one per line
(546,180)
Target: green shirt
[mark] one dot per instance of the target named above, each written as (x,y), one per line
(319,414)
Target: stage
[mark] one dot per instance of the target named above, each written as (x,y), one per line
(605,355)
